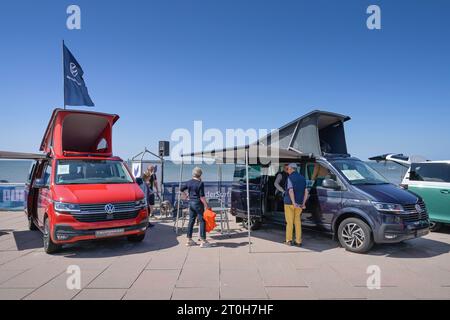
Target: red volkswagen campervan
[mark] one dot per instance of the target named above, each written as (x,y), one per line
(79,190)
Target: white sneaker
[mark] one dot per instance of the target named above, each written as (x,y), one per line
(205,244)
(190,243)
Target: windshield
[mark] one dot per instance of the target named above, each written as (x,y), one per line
(358,172)
(91,172)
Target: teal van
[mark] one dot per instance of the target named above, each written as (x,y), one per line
(431,181)
(428,179)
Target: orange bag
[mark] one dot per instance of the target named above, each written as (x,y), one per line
(210,220)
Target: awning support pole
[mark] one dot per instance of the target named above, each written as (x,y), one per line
(179,196)
(248,202)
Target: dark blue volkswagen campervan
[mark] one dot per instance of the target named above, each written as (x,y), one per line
(347,197)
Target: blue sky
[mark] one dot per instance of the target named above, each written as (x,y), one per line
(234,64)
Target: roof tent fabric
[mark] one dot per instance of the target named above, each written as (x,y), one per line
(82,132)
(317,133)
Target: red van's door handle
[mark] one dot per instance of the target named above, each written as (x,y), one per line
(445,191)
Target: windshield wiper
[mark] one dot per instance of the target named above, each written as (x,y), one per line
(374,183)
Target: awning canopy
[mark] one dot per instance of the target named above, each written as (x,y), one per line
(258,154)
(22,155)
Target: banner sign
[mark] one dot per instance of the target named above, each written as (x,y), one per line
(137,169)
(212,191)
(12,197)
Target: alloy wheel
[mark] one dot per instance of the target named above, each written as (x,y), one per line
(353,235)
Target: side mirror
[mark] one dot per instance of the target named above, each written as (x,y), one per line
(39,184)
(330,184)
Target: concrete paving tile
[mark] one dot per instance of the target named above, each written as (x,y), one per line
(122,273)
(328,284)
(153,285)
(278,271)
(430,272)
(308,260)
(27,261)
(236,260)
(7,256)
(14,294)
(196,294)
(291,293)
(203,256)
(387,293)
(34,278)
(57,288)
(241,284)
(6,275)
(100,294)
(168,261)
(356,274)
(86,264)
(199,277)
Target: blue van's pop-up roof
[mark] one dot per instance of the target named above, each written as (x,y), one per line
(318,133)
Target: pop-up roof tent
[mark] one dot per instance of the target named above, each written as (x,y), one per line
(73,132)
(314,135)
(317,133)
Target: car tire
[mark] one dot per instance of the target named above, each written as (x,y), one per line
(255,224)
(31,225)
(49,246)
(435,226)
(136,237)
(355,235)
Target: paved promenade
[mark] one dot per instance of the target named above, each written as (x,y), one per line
(163,268)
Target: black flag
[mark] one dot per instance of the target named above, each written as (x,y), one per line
(75,90)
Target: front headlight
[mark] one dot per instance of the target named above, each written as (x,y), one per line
(66,207)
(141,204)
(388,207)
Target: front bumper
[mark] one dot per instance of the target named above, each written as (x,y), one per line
(67,234)
(394,233)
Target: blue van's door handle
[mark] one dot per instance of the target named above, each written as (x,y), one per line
(445,191)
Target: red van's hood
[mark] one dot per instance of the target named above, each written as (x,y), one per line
(97,193)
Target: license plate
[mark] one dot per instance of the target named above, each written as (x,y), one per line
(109,233)
(422,232)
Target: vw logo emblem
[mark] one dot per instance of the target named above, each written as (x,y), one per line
(418,208)
(73,69)
(109,208)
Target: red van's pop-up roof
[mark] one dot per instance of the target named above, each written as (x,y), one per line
(79,133)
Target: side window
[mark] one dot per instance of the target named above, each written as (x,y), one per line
(31,172)
(254,173)
(430,172)
(47,174)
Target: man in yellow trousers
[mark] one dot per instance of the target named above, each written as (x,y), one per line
(294,202)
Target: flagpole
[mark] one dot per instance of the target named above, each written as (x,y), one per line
(64,79)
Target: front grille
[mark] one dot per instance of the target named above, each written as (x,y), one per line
(100,207)
(413,214)
(97,213)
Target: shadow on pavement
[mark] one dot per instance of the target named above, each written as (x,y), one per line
(5,232)
(312,239)
(26,240)
(413,249)
(159,237)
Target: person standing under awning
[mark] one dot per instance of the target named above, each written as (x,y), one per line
(294,202)
(197,206)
